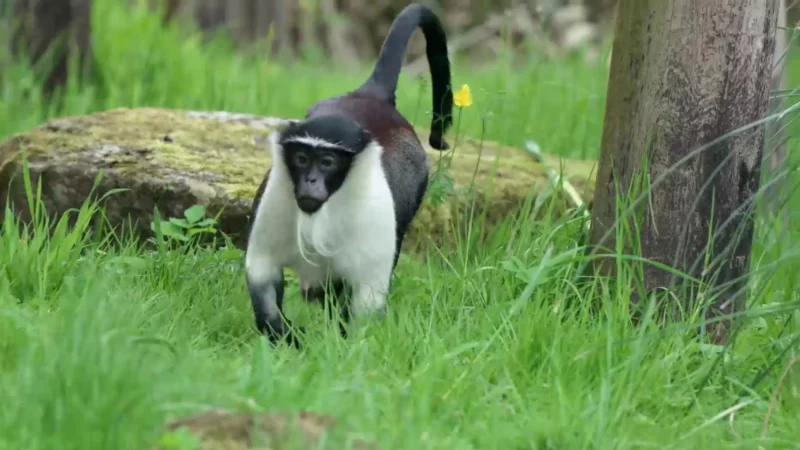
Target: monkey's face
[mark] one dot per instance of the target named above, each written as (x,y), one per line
(316,173)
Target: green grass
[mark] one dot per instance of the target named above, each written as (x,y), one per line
(491,346)
(142,64)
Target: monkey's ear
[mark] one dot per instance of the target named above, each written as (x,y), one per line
(366,136)
(287,125)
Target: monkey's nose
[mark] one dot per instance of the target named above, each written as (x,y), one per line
(309,205)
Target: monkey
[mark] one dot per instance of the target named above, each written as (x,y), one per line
(345,183)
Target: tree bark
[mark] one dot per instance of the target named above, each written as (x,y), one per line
(600,10)
(775,151)
(683,74)
(51,33)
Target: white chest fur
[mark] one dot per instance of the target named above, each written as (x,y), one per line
(351,237)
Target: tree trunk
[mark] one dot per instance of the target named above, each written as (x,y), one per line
(775,151)
(683,74)
(51,33)
(600,10)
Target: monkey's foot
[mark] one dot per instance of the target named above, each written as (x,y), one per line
(281,329)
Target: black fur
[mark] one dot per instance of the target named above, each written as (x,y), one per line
(318,172)
(274,327)
(339,130)
(383,80)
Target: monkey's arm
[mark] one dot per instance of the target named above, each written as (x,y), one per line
(265,283)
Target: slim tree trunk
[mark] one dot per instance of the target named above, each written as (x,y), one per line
(281,27)
(775,151)
(600,10)
(170,10)
(50,33)
(237,12)
(683,74)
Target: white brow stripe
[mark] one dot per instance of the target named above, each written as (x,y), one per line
(313,141)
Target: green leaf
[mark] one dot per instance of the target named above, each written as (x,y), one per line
(173,231)
(195,213)
(183,223)
(180,237)
(168,227)
(194,231)
(206,222)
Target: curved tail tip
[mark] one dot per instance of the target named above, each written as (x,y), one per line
(437,141)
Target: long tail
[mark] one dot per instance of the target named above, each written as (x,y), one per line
(383,81)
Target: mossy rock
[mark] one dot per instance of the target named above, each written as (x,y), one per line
(174,159)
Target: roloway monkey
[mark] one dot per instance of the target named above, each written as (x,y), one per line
(345,184)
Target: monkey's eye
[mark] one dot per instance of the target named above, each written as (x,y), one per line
(327,162)
(301,159)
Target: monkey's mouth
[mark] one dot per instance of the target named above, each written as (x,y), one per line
(309,205)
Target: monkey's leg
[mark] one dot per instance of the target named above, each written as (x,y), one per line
(334,297)
(265,282)
(369,296)
(339,308)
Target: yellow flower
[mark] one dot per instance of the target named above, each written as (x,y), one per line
(462,97)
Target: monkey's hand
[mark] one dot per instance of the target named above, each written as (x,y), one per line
(437,140)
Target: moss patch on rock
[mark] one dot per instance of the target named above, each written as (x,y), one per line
(174,159)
